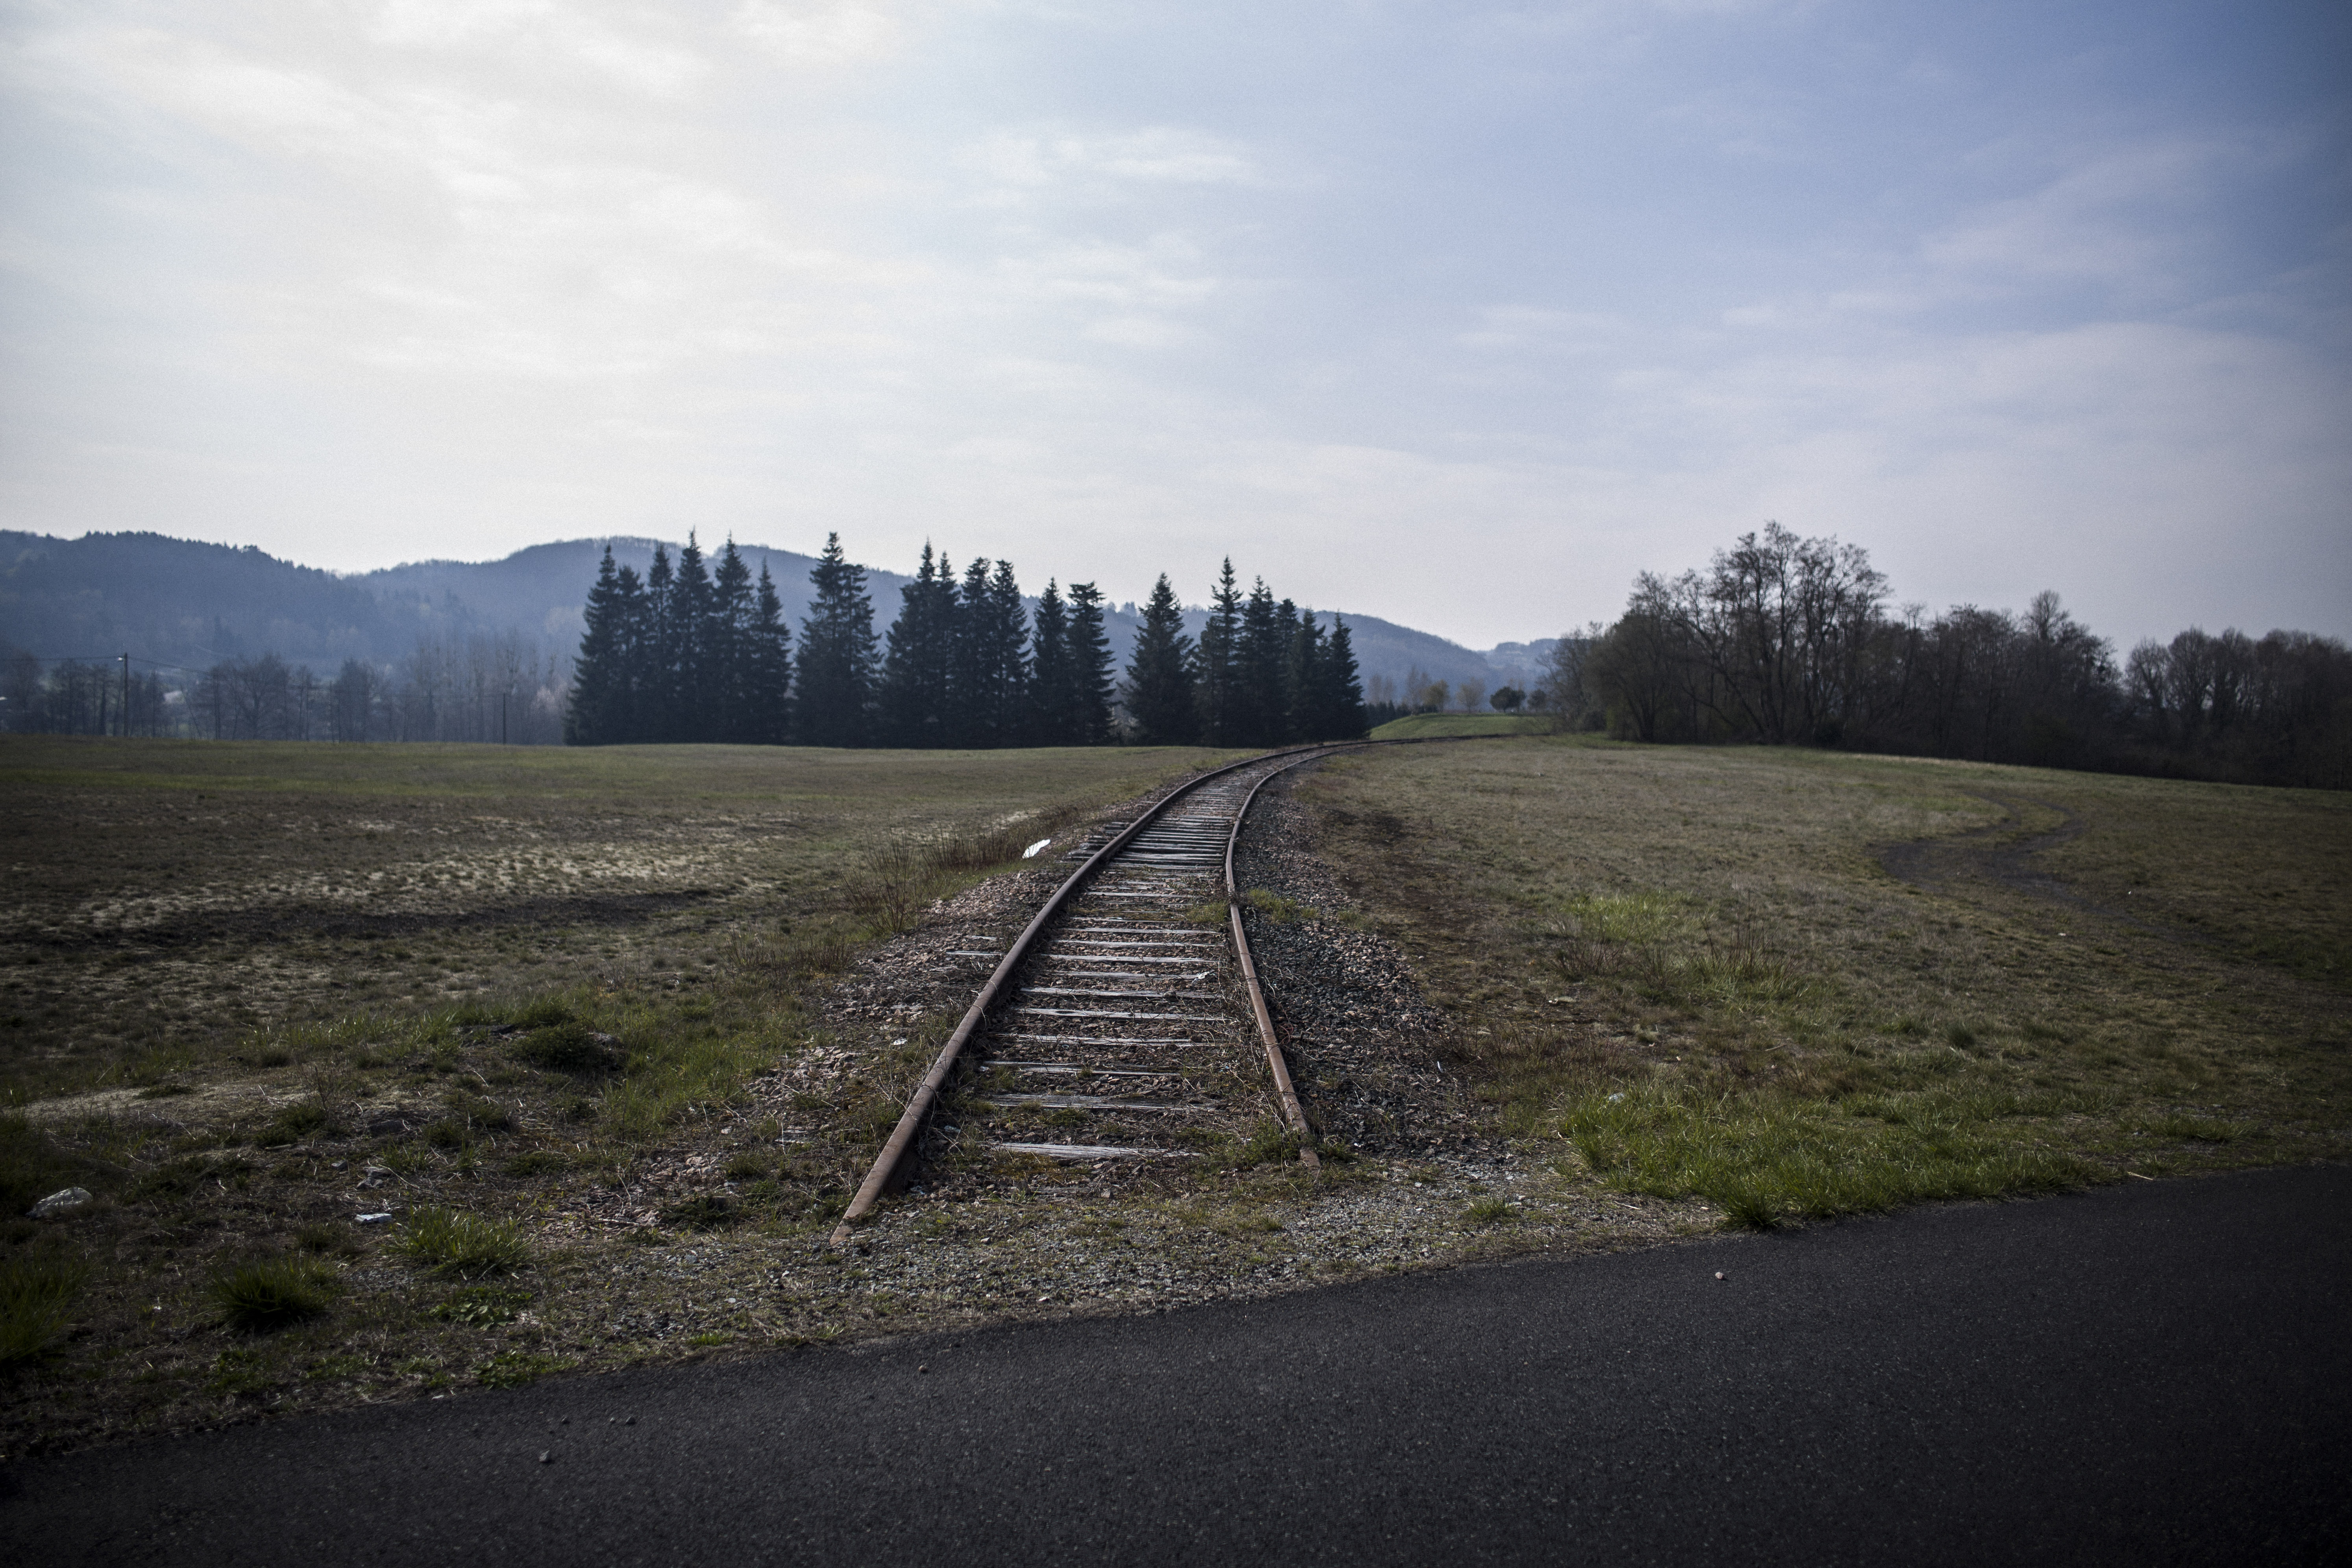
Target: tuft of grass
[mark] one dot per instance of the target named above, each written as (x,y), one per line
(483,1306)
(543,1013)
(1490,1210)
(1269,1143)
(271,1292)
(36,1292)
(291,1124)
(570,1047)
(1276,908)
(535,1162)
(453,1242)
(2195,1129)
(513,1369)
(327,1237)
(1762,1156)
(449,1132)
(704,1211)
(480,1111)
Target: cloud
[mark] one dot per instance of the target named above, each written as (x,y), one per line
(1154,155)
(2127,215)
(820,32)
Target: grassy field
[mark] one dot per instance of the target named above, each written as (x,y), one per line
(575,1026)
(1431,726)
(246,989)
(1797,984)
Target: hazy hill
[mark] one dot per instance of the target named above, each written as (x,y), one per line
(177,602)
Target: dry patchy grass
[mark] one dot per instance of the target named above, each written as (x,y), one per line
(535,1007)
(1692,972)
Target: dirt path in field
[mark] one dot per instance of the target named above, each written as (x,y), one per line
(293,921)
(1987,854)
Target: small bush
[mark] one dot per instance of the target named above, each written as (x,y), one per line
(570,1047)
(451,1241)
(271,1293)
(37,1290)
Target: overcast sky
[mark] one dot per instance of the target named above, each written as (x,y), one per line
(1452,315)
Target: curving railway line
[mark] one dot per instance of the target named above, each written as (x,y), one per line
(1123,1016)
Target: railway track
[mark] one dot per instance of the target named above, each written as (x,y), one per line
(1127,1015)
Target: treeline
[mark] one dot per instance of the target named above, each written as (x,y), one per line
(1787,640)
(78,696)
(692,654)
(497,688)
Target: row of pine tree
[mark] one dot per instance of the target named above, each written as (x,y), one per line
(692,652)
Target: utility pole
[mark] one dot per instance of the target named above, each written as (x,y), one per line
(126,697)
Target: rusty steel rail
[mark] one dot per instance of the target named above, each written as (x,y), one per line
(902,1137)
(1292,1110)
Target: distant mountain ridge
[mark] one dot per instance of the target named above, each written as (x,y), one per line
(182,603)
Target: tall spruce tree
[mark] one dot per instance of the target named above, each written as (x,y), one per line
(695,672)
(658,661)
(1265,659)
(770,697)
(1343,689)
(990,631)
(597,713)
(1090,664)
(1008,695)
(1052,674)
(834,694)
(917,669)
(632,613)
(728,651)
(1160,674)
(1217,666)
(1303,679)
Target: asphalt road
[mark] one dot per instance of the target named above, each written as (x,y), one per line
(2155,1374)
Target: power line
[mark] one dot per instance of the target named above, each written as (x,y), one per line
(108,658)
